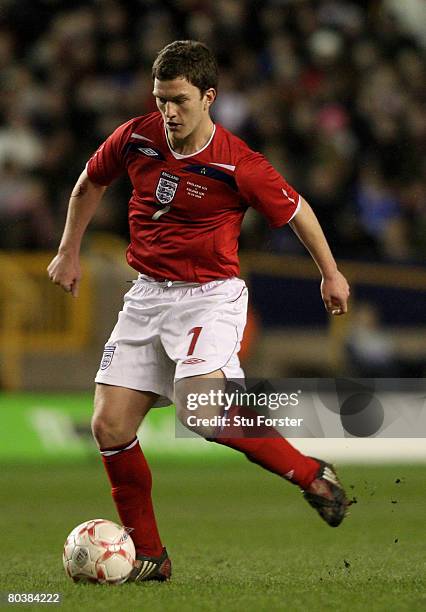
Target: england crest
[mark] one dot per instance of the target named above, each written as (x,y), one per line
(166,187)
(109,351)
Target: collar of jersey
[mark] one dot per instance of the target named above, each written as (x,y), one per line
(179,155)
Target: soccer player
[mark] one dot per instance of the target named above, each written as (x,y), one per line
(184,316)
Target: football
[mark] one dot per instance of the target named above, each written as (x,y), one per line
(99,551)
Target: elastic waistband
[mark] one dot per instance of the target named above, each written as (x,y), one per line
(166,283)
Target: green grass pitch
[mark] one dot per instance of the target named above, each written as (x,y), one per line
(240,539)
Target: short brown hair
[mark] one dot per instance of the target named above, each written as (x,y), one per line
(189,59)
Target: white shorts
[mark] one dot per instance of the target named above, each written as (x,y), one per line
(166,333)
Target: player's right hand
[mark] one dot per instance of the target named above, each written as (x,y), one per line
(64,270)
(335,293)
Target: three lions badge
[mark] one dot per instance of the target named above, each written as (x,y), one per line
(165,192)
(109,351)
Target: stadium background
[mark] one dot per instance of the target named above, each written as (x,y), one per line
(332,92)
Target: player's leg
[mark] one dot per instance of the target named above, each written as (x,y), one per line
(317,479)
(118,413)
(268,449)
(134,371)
(203,338)
(117,416)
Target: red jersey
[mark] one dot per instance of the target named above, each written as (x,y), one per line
(185,212)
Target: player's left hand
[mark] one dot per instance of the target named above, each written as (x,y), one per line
(335,294)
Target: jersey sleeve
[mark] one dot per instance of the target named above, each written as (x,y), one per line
(108,161)
(263,188)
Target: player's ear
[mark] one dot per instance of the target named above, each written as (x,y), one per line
(209,97)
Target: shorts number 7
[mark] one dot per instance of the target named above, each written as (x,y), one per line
(196,331)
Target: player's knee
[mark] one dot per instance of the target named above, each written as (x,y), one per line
(186,419)
(199,425)
(107,432)
(100,429)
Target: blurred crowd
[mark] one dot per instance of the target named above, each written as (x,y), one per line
(331,91)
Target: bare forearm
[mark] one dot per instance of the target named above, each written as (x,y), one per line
(308,230)
(64,269)
(334,286)
(84,201)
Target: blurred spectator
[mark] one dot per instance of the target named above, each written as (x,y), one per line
(25,222)
(19,142)
(379,212)
(372,352)
(331,90)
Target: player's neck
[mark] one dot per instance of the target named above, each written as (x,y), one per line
(193,142)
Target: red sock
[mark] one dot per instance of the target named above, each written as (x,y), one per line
(271,451)
(131,483)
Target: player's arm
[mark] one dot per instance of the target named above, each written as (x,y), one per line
(64,269)
(334,286)
(262,187)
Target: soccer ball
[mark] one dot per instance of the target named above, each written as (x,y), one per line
(99,551)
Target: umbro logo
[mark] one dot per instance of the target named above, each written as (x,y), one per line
(148,151)
(193,361)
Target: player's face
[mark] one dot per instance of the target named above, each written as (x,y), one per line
(183,107)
